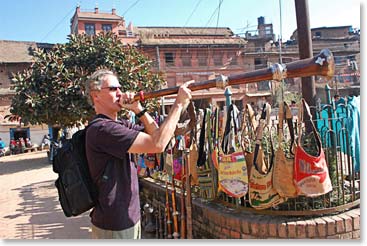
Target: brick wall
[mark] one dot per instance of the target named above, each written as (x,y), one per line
(215,221)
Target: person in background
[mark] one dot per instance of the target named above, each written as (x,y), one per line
(338,99)
(28,142)
(13,146)
(2,147)
(46,141)
(21,145)
(109,145)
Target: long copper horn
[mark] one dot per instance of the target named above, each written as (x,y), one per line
(321,65)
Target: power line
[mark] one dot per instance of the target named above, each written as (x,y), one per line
(61,21)
(130,7)
(214,12)
(220,4)
(193,11)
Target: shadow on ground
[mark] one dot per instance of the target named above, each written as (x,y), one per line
(46,219)
(20,163)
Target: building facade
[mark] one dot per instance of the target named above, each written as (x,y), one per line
(16,56)
(180,53)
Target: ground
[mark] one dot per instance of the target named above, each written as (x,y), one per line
(29,205)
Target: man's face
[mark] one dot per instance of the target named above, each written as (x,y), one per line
(109,95)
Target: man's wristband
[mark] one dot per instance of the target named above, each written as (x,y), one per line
(141,113)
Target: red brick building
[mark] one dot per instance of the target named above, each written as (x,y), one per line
(181,53)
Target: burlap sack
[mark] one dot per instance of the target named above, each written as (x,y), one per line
(311,173)
(262,194)
(283,166)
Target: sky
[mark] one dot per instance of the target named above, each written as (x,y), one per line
(48,21)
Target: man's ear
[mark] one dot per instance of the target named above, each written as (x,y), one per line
(94,96)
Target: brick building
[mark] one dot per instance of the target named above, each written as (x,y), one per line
(199,53)
(16,56)
(181,53)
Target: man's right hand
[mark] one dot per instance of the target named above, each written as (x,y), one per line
(184,94)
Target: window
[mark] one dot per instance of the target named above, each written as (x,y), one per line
(263,86)
(186,59)
(218,59)
(169,58)
(90,29)
(232,58)
(260,63)
(122,32)
(339,60)
(107,27)
(202,58)
(318,34)
(268,30)
(129,33)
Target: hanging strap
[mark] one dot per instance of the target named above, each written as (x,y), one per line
(284,110)
(215,130)
(230,134)
(248,128)
(193,123)
(304,105)
(264,121)
(201,154)
(225,146)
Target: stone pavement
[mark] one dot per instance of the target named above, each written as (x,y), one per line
(29,205)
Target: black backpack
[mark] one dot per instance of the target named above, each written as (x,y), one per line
(77,192)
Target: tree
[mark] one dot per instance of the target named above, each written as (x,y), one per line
(51,90)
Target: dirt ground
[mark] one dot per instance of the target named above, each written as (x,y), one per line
(29,206)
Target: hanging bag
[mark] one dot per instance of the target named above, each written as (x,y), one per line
(283,166)
(262,194)
(232,169)
(205,175)
(248,137)
(311,173)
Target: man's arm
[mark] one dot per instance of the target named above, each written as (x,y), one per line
(157,140)
(149,123)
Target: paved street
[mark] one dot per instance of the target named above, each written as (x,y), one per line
(29,206)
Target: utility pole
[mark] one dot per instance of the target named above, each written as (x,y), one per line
(305,51)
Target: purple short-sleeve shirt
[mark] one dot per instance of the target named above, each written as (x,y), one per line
(107,143)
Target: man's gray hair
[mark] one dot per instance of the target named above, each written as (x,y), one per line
(94,83)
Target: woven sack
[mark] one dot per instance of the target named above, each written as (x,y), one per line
(311,173)
(232,169)
(262,194)
(283,166)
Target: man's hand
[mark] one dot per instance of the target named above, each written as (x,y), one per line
(127,102)
(184,94)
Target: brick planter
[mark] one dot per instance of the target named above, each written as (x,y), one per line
(215,221)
